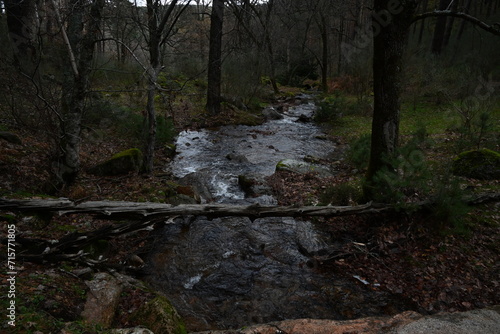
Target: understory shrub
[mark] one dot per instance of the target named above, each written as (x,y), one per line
(330,108)
(409,179)
(341,194)
(359,151)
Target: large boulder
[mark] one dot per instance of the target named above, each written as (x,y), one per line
(102,300)
(160,316)
(121,163)
(481,164)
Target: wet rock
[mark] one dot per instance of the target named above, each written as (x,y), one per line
(481,164)
(10,137)
(238,158)
(102,300)
(160,316)
(270,113)
(199,183)
(121,163)
(304,118)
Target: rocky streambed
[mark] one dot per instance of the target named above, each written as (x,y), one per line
(231,272)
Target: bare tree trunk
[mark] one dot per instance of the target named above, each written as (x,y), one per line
(389,42)
(215,58)
(75,86)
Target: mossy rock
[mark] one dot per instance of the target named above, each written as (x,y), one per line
(481,164)
(160,316)
(121,163)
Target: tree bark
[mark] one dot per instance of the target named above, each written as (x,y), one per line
(215,58)
(390,40)
(81,45)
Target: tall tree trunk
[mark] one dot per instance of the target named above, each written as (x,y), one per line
(439,30)
(215,58)
(153,72)
(81,39)
(389,43)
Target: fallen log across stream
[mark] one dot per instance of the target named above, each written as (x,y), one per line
(149,210)
(141,215)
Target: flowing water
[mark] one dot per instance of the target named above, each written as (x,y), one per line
(230,272)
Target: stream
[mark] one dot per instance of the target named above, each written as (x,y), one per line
(230,272)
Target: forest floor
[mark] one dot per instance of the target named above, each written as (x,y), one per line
(433,266)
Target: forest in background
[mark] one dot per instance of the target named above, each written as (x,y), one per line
(108,64)
(136,72)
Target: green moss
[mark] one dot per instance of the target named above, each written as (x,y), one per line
(481,164)
(121,163)
(132,152)
(160,316)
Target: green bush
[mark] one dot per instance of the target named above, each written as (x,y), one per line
(330,108)
(359,151)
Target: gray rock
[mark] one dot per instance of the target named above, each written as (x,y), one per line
(270,113)
(102,300)
(484,321)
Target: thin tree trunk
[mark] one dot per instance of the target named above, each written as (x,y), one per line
(215,59)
